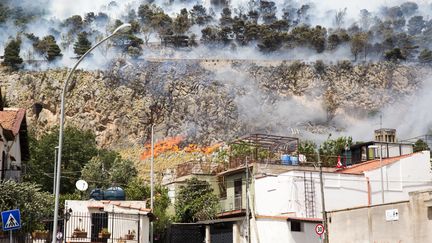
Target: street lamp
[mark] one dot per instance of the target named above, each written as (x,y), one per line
(60,144)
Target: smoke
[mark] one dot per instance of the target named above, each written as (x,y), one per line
(263,111)
(409,115)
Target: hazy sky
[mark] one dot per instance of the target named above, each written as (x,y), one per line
(65,8)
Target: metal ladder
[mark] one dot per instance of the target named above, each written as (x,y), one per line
(309,191)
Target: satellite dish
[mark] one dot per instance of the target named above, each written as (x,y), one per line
(81,185)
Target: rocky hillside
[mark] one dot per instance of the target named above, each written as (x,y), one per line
(207,100)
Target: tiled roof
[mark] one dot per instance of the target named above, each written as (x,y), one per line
(11,119)
(137,205)
(372,164)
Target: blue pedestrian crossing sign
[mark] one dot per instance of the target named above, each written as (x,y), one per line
(11,219)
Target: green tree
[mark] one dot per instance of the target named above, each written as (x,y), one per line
(181,23)
(267,11)
(34,204)
(331,148)
(137,189)
(415,25)
(162,23)
(82,45)
(199,15)
(48,48)
(74,23)
(420,145)
(358,44)
(146,12)
(196,201)
(4,12)
(79,147)
(394,55)
(108,169)
(308,148)
(12,54)
(425,56)
(225,19)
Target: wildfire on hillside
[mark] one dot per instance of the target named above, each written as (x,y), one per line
(173,144)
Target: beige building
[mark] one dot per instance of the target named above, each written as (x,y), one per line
(405,221)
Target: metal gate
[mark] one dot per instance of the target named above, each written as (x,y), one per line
(182,233)
(221,233)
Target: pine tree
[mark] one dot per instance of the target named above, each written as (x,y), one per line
(48,48)
(11,54)
(82,45)
(53,51)
(425,56)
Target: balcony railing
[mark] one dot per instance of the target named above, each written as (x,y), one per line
(232,203)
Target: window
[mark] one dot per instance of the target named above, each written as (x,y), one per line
(222,188)
(429,213)
(296,226)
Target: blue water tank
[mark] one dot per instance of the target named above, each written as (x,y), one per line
(97,194)
(114,193)
(286,159)
(294,160)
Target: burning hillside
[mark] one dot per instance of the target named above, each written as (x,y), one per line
(174,145)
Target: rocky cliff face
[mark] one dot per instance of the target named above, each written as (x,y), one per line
(207,100)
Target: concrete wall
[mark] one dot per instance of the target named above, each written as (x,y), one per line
(279,230)
(370,224)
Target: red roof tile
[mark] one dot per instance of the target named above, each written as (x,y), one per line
(372,164)
(137,205)
(11,119)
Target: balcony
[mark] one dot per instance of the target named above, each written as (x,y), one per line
(232,203)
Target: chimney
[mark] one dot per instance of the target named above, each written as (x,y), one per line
(386,135)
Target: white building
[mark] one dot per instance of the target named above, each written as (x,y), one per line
(125,221)
(297,192)
(13,143)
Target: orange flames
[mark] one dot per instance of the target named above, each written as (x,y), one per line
(172,144)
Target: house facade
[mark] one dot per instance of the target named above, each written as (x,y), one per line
(98,221)
(13,143)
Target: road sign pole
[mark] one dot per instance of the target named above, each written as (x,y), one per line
(10,236)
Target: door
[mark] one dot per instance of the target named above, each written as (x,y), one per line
(98,222)
(238,194)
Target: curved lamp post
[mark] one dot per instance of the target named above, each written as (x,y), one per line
(60,144)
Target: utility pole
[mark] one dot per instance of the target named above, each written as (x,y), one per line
(324,213)
(247,202)
(55,169)
(381,166)
(152,180)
